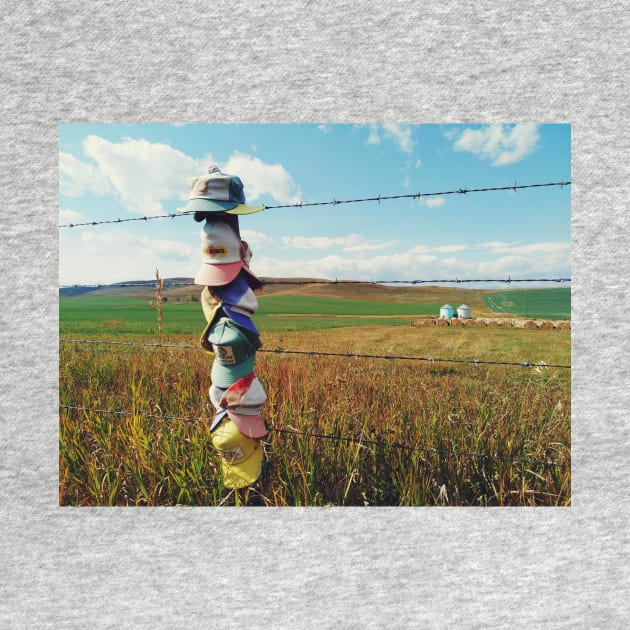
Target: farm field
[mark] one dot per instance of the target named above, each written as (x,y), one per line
(343,430)
(94,315)
(533,303)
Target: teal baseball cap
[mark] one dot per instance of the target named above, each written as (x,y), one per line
(216,191)
(234,352)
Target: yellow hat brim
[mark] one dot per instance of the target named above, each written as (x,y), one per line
(243,209)
(244,473)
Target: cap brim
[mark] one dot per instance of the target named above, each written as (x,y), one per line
(243,209)
(239,318)
(253,281)
(226,375)
(209,205)
(215,393)
(246,472)
(250,426)
(216,421)
(217,275)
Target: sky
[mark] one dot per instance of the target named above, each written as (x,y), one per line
(111,171)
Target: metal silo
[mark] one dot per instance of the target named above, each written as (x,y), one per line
(463,311)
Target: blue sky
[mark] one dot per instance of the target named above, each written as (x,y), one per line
(109,171)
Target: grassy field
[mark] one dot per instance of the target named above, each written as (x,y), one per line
(532,303)
(134,424)
(123,315)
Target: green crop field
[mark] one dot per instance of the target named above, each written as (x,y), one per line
(533,303)
(123,315)
(290,304)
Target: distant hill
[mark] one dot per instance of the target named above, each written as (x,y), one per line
(552,302)
(183,290)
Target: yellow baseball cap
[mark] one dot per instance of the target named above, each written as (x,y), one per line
(241,456)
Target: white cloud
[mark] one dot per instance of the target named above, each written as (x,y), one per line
(419,262)
(90,257)
(450,248)
(374,137)
(392,266)
(501,144)
(498,247)
(70,216)
(349,243)
(399,134)
(143,175)
(256,239)
(493,245)
(432,202)
(260,179)
(140,173)
(78,178)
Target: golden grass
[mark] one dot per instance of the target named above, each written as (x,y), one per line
(343,431)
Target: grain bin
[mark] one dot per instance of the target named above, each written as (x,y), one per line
(463,311)
(446,312)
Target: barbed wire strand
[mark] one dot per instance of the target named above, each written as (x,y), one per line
(348,355)
(335,202)
(189,283)
(339,438)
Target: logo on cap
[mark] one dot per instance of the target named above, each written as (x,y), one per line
(225,354)
(231,455)
(216,251)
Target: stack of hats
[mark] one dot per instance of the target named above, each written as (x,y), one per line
(228,303)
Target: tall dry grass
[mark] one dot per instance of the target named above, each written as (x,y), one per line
(343,431)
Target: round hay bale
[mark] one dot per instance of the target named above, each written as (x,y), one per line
(546,325)
(529,324)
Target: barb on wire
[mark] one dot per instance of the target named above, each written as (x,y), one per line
(348,439)
(336,202)
(311,353)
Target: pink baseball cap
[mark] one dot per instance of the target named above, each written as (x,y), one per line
(223,255)
(243,401)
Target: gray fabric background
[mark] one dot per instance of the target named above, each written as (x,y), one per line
(313,62)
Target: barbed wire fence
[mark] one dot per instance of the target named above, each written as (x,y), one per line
(349,439)
(315,353)
(169,284)
(336,202)
(534,463)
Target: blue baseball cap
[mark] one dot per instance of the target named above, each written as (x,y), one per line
(242,320)
(234,352)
